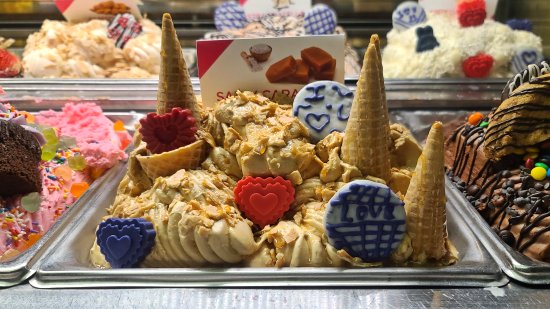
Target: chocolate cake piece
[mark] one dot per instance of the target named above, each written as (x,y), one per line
(19,159)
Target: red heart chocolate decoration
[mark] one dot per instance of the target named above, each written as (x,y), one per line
(471,13)
(264,200)
(478,66)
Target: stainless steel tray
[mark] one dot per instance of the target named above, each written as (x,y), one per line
(19,268)
(514,264)
(127,94)
(66,263)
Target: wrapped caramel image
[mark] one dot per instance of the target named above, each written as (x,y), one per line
(316,63)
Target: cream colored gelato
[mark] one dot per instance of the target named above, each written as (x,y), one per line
(194,212)
(456,44)
(65,50)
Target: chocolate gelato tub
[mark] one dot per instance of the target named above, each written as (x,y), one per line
(514,264)
(67,263)
(19,269)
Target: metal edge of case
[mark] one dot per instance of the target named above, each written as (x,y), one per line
(52,276)
(19,269)
(514,264)
(122,93)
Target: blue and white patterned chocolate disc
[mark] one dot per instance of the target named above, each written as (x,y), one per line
(407,15)
(366,219)
(323,107)
(525,57)
(229,15)
(321,19)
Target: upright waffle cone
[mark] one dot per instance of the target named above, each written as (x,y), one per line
(365,143)
(374,39)
(167,163)
(175,88)
(425,201)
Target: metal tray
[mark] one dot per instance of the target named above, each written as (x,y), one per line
(514,264)
(66,263)
(19,269)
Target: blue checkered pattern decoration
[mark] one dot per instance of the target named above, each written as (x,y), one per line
(407,15)
(366,219)
(229,15)
(321,19)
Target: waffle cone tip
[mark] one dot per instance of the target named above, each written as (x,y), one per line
(175,86)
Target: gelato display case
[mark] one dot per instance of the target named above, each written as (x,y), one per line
(376,162)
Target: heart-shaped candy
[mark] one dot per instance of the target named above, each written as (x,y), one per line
(520,24)
(118,246)
(168,131)
(366,219)
(478,66)
(471,13)
(264,200)
(525,57)
(268,202)
(125,242)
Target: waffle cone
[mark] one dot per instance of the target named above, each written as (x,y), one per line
(175,87)
(374,39)
(167,163)
(425,201)
(365,143)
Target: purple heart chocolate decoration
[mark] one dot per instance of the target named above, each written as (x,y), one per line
(366,219)
(118,246)
(125,242)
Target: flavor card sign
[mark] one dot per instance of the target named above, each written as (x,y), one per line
(84,10)
(269,66)
(256,8)
(450,6)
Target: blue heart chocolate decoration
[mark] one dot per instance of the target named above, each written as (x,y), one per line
(520,24)
(525,57)
(366,219)
(125,242)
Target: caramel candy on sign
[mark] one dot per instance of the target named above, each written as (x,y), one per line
(281,69)
(317,58)
(327,74)
(301,76)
